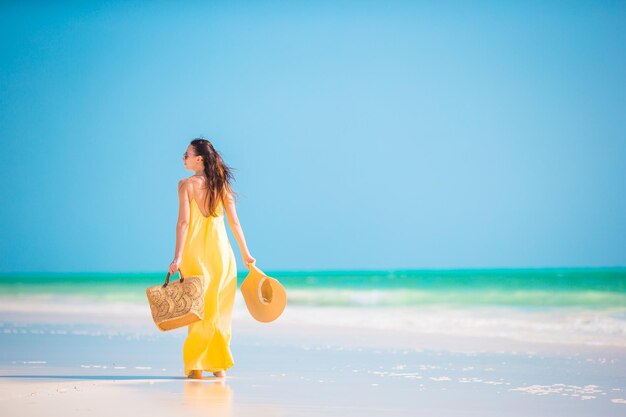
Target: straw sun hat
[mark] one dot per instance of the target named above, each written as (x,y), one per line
(265,297)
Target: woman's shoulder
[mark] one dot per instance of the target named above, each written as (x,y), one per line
(188,182)
(194,179)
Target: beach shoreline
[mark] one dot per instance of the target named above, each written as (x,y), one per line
(296,367)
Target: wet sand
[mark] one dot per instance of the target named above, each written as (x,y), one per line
(69,365)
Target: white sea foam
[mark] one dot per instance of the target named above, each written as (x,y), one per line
(602,327)
(584,393)
(571,326)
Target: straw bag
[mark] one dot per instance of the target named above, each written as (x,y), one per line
(177,304)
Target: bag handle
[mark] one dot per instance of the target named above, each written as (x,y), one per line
(167,278)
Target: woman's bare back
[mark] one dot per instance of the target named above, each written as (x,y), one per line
(199,193)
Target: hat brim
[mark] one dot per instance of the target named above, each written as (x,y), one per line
(265,297)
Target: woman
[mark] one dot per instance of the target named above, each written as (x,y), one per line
(203,248)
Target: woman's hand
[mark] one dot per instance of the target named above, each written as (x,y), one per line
(247,260)
(174,266)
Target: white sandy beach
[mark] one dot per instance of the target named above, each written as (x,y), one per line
(312,361)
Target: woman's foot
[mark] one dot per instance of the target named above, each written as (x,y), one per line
(220,374)
(197,374)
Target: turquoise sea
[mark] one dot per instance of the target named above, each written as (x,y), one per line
(594,288)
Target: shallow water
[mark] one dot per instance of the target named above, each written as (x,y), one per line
(592,288)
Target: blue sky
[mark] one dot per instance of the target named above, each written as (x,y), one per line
(365,135)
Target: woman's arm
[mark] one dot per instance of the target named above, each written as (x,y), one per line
(182,225)
(235,226)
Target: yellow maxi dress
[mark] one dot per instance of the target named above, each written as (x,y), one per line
(207,251)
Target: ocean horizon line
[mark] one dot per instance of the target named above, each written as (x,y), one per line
(343,270)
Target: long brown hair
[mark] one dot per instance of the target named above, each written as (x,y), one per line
(219,175)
